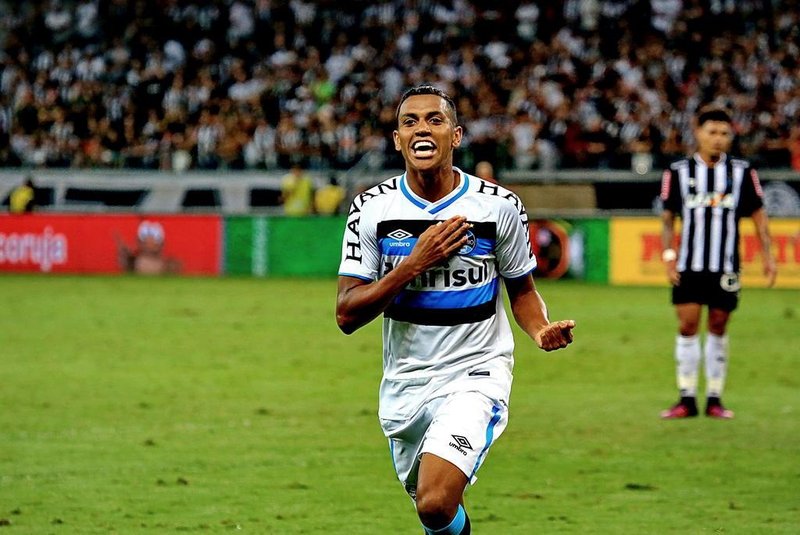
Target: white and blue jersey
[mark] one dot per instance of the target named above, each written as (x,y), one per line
(450,321)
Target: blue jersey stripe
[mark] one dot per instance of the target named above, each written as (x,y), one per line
(408,195)
(435,208)
(452,299)
(454,198)
(392,247)
(483,246)
(362,277)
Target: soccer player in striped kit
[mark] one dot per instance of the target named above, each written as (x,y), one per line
(431,250)
(710,192)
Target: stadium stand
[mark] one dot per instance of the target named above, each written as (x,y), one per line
(262,84)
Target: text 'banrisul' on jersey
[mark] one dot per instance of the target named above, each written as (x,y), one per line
(463,290)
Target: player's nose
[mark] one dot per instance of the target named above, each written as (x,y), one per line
(423,129)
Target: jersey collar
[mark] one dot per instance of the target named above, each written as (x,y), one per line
(441,204)
(722,159)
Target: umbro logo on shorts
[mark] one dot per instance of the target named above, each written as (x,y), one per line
(461,443)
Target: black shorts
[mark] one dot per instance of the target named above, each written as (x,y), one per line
(717,290)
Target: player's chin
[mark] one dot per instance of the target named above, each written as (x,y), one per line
(424,164)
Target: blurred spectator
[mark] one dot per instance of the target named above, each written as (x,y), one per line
(23,198)
(297,192)
(485,170)
(523,141)
(596,144)
(794,146)
(230,84)
(328,199)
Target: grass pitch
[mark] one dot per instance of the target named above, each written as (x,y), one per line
(133,405)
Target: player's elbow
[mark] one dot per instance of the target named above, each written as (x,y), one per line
(346,322)
(346,327)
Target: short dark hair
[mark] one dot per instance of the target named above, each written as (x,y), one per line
(428,90)
(713,113)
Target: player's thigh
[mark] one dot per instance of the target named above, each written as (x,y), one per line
(463,429)
(440,485)
(405,443)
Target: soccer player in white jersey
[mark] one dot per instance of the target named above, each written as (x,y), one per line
(428,250)
(710,192)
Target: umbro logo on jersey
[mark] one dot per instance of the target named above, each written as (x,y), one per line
(460,444)
(399,235)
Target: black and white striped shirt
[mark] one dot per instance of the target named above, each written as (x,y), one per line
(710,201)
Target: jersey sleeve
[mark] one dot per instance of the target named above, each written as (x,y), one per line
(360,255)
(515,257)
(670,191)
(751,196)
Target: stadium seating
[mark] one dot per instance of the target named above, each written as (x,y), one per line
(244,84)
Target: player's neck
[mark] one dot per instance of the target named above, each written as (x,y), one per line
(711,159)
(435,184)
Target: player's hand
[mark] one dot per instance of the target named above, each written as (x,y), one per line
(672,272)
(555,335)
(439,242)
(770,271)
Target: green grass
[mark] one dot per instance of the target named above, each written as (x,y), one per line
(133,405)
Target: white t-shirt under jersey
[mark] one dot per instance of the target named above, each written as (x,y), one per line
(449,322)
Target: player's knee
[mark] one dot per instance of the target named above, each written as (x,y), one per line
(435,508)
(717,322)
(688,328)
(717,327)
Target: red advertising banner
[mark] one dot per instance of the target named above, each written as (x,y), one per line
(636,252)
(81,243)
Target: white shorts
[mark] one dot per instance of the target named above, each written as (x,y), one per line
(458,427)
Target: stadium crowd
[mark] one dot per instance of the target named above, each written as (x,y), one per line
(237,84)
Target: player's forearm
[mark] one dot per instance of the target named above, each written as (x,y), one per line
(358,305)
(530,311)
(766,243)
(762,231)
(667,230)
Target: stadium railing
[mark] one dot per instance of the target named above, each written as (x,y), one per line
(545,193)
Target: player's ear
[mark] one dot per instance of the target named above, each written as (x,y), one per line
(458,134)
(396,136)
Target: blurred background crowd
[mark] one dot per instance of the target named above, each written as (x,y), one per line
(268,84)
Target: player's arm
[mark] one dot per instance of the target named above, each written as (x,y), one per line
(530,312)
(358,301)
(668,254)
(762,232)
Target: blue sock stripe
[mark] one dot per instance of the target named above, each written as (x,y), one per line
(489,437)
(454,527)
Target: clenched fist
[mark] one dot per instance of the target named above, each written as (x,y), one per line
(555,335)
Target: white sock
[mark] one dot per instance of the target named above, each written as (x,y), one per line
(687,355)
(716,364)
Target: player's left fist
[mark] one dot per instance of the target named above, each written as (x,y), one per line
(556,335)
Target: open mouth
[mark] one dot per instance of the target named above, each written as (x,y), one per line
(423,148)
